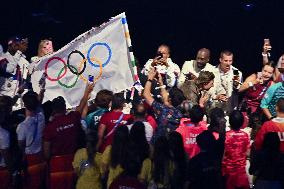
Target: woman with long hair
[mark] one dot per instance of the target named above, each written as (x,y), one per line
(162,165)
(179,158)
(115,154)
(255,87)
(45,47)
(138,142)
(86,164)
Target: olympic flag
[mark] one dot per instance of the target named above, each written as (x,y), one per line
(102,52)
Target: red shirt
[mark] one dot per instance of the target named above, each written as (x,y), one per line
(63,132)
(270,126)
(237,144)
(189,132)
(109,119)
(256,93)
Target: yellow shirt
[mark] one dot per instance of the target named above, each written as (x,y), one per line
(145,175)
(91,177)
(113,172)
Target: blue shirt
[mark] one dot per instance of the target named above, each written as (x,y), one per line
(94,118)
(167,118)
(272,95)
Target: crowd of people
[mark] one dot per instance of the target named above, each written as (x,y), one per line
(201,126)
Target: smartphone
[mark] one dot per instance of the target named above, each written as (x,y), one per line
(267,42)
(159,55)
(236,75)
(236,72)
(91,78)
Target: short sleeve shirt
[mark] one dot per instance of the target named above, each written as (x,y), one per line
(30,131)
(93,119)
(167,118)
(272,95)
(89,176)
(189,132)
(110,119)
(270,126)
(237,144)
(64,133)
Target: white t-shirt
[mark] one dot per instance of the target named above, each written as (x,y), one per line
(148,130)
(30,131)
(4,143)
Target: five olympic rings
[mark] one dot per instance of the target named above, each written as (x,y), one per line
(74,70)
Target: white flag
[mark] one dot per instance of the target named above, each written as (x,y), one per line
(101,52)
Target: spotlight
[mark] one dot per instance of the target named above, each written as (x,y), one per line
(248,5)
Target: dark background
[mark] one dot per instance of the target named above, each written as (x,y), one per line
(185,25)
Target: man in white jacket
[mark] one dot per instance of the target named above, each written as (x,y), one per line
(164,65)
(13,66)
(229,81)
(191,69)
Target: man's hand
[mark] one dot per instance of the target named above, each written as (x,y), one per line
(160,79)
(89,88)
(152,74)
(203,99)
(266,48)
(222,97)
(159,61)
(190,76)
(21,89)
(164,62)
(236,81)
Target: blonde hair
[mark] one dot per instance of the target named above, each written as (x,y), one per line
(40,53)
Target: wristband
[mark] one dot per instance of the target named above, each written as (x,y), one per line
(250,84)
(150,80)
(161,87)
(264,54)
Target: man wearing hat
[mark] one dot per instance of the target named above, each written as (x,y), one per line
(13,66)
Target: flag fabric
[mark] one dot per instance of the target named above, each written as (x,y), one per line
(102,54)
